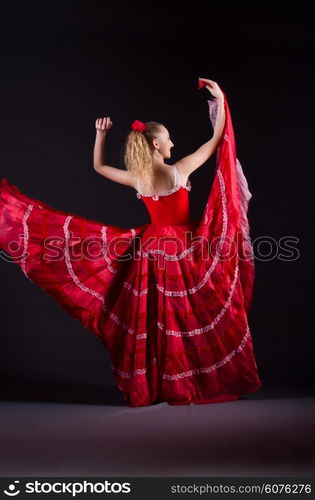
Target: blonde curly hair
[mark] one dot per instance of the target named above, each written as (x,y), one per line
(138,150)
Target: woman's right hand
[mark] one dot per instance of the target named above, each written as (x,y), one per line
(103,124)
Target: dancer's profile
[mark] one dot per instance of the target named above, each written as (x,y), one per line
(169,299)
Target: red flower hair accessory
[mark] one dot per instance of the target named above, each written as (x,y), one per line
(138,125)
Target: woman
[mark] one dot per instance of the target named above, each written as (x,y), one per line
(168,299)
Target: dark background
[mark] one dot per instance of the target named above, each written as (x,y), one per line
(64,64)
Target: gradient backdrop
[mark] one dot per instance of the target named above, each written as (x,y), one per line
(64,64)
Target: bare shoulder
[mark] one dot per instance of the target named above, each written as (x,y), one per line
(182,173)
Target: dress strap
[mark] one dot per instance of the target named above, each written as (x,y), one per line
(175,176)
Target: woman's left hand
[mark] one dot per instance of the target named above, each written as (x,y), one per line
(213,88)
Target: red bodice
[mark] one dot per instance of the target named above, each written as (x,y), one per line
(170,207)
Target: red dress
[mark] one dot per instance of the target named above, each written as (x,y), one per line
(168,299)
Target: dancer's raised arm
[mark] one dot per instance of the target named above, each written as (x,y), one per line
(193,161)
(113,173)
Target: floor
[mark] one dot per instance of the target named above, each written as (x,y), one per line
(259,435)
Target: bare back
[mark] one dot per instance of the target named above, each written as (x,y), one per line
(168,181)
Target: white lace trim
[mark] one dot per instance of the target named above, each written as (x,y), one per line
(165,193)
(198,331)
(189,373)
(26,238)
(213,367)
(122,324)
(134,373)
(166,255)
(244,197)
(104,249)
(104,246)
(69,265)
